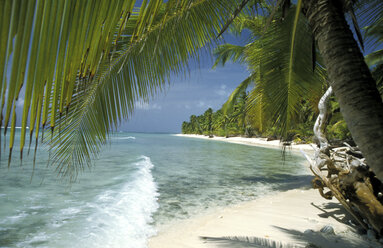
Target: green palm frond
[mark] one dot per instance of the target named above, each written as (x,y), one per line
(229,104)
(374,58)
(226,52)
(377,73)
(256,108)
(84,64)
(370,15)
(138,70)
(286,76)
(47,45)
(247,22)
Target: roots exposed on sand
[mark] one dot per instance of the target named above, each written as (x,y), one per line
(342,170)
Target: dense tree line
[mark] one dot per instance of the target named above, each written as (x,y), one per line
(239,122)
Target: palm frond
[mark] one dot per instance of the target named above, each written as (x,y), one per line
(226,52)
(374,58)
(45,47)
(285,74)
(229,104)
(140,67)
(370,16)
(84,64)
(248,22)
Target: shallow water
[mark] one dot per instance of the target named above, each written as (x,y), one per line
(140,181)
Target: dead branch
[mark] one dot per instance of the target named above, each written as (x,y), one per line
(348,178)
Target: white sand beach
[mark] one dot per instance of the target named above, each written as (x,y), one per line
(293,218)
(253,142)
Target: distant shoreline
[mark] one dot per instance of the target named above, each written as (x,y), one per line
(261,142)
(294,217)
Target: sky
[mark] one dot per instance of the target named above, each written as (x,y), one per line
(202,88)
(191,95)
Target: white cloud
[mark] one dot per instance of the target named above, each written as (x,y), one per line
(201,104)
(222,91)
(147,106)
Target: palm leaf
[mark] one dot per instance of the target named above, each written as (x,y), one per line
(229,104)
(374,58)
(83,64)
(370,15)
(226,52)
(285,74)
(135,74)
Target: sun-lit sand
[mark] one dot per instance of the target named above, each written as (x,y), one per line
(292,218)
(253,142)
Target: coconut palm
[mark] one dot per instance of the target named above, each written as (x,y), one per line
(84,64)
(348,74)
(283,80)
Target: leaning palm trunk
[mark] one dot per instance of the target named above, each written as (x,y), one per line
(350,78)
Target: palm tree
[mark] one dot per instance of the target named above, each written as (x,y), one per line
(84,71)
(283,81)
(349,76)
(208,121)
(84,64)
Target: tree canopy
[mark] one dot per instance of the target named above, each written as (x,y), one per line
(82,65)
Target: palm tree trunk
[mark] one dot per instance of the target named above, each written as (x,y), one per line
(350,78)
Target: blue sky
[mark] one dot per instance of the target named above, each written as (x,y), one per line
(202,89)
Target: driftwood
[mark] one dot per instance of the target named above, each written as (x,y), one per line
(342,170)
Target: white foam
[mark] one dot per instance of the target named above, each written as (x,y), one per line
(16,218)
(123,218)
(124,138)
(35,239)
(70,211)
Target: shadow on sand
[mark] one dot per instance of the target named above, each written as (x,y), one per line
(307,239)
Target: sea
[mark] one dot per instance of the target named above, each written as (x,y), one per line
(139,184)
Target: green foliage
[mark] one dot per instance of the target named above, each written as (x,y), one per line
(90,62)
(377,73)
(337,127)
(283,81)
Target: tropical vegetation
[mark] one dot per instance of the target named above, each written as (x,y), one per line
(80,66)
(245,112)
(288,84)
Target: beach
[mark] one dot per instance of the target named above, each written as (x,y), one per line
(292,218)
(261,142)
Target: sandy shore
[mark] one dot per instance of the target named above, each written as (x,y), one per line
(293,217)
(253,142)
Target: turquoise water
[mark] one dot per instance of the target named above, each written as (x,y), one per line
(139,182)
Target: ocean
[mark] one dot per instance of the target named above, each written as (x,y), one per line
(141,182)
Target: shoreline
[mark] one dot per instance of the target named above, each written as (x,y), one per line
(261,142)
(293,217)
